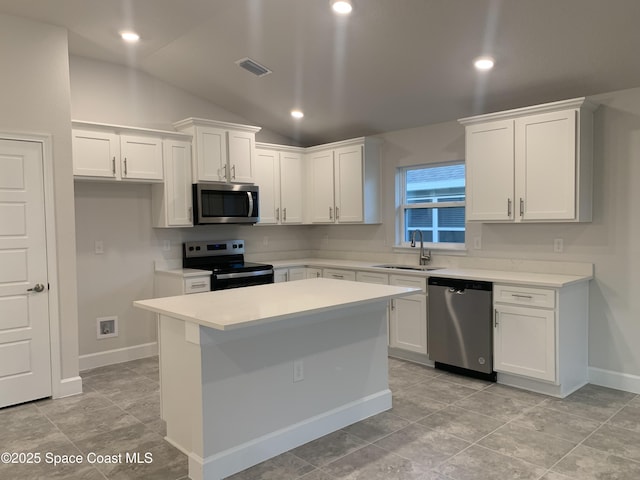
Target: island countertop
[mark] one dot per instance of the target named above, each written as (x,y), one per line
(261,304)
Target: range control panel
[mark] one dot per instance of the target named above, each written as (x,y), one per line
(213,248)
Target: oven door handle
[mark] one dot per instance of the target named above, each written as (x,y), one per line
(224,276)
(250,213)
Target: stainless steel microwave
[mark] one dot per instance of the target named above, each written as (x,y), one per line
(225,203)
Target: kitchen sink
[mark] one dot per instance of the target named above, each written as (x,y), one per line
(415,268)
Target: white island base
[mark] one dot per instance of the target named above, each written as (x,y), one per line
(238,393)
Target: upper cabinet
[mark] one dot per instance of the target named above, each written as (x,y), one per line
(344,182)
(171,201)
(280,176)
(222,152)
(531,164)
(110,152)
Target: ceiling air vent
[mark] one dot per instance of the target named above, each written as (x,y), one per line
(253,67)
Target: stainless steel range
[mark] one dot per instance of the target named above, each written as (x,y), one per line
(225,258)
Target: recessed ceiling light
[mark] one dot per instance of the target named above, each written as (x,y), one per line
(297,114)
(342,7)
(130,37)
(483,63)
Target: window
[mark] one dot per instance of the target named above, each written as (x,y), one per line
(432,199)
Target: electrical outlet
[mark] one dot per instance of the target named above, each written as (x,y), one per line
(477,243)
(99,247)
(558,245)
(298,370)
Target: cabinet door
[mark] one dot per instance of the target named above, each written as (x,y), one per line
(524,342)
(177,184)
(141,157)
(321,189)
(370,277)
(291,181)
(96,154)
(546,166)
(339,274)
(241,156)
(297,273)
(490,171)
(280,275)
(267,179)
(349,185)
(313,273)
(211,155)
(408,323)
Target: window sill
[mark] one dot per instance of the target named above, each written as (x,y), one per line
(449,249)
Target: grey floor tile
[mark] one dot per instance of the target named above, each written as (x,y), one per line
(127,389)
(517,393)
(464,424)
(591,401)
(376,427)
(628,417)
(28,437)
(120,440)
(401,378)
(317,475)
(328,448)
(412,405)
(586,463)
(442,391)
(115,370)
(145,408)
(284,467)
(497,406)
(83,424)
(615,440)
(397,366)
(469,382)
(85,402)
(478,463)
(528,445)
(555,476)
(422,445)
(373,463)
(559,424)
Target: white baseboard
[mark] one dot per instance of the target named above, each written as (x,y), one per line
(617,380)
(118,355)
(255,451)
(67,387)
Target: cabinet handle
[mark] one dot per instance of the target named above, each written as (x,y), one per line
(330,213)
(284,214)
(233,172)
(125,166)
(508,208)
(530,297)
(495,318)
(224,172)
(393,304)
(286,276)
(337,276)
(317,274)
(521,207)
(113,165)
(337,213)
(278,214)
(198,285)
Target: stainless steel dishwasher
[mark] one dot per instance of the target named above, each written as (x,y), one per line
(460,329)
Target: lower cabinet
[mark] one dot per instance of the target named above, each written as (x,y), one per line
(295,273)
(339,274)
(540,337)
(408,316)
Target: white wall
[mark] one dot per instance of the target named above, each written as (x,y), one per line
(35,99)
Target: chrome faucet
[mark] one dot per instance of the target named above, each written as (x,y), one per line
(424,259)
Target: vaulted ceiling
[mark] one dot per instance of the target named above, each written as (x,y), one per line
(391,64)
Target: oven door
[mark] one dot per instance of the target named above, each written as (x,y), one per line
(218,203)
(224,281)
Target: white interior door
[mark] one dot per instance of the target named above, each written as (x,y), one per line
(25,364)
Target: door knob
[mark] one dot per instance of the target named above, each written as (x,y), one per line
(37,288)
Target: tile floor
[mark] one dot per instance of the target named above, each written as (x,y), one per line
(441,427)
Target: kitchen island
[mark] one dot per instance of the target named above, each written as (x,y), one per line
(249,373)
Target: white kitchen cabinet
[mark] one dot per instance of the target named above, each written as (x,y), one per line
(295,273)
(531,164)
(169,283)
(408,317)
(540,337)
(344,182)
(313,272)
(111,152)
(372,277)
(172,201)
(280,275)
(223,152)
(339,274)
(280,176)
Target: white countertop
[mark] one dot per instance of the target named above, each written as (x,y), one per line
(552,280)
(184,272)
(244,307)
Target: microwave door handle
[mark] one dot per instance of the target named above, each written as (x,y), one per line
(250,204)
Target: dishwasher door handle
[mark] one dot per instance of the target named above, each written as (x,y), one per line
(456,291)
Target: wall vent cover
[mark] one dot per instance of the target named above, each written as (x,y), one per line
(253,67)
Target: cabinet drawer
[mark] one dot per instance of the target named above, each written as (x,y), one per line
(369,277)
(406,281)
(516,295)
(339,274)
(197,284)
